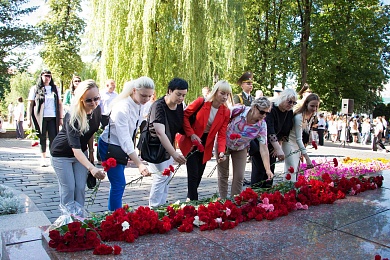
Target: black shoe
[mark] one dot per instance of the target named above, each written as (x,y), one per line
(246,182)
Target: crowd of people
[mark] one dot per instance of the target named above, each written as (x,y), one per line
(239,128)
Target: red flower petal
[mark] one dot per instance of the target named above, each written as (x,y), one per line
(336,163)
(291,169)
(288,176)
(171,168)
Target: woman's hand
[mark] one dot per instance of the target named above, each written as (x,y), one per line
(221,157)
(269,174)
(179,158)
(98,174)
(195,137)
(143,170)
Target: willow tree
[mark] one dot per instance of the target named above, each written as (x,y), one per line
(61,29)
(200,41)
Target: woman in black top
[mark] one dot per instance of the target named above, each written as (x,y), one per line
(69,148)
(279,123)
(166,119)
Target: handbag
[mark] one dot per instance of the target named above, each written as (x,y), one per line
(91,181)
(150,146)
(115,151)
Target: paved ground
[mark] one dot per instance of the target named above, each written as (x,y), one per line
(21,170)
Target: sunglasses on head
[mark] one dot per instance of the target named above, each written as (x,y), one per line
(290,102)
(262,112)
(90,100)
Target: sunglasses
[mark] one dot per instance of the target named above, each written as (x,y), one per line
(262,112)
(47,76)
(290,102)
(90,100)
(76,80)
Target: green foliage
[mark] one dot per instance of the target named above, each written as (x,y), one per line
(348,39)
(20,85)
(13,35)
(200,41)
(61,30)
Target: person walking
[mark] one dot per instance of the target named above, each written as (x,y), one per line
(70,159)
(366,130)
(166,119)
(279,124)
(124,120)
(211,121)
(321,129)
(247,123)
(19,118)
(44,111)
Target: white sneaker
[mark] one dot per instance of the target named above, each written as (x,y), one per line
(43,163)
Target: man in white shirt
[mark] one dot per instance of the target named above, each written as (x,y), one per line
(106,97)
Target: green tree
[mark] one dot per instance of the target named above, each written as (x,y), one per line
(13,35)
(348,40)
(61,29)
(271,33)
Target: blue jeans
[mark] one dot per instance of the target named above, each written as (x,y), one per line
(116,176)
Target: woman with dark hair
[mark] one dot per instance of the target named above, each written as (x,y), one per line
(299,135)
(45,111)
(19,118)
(69,94)
(212,119)
(69,148)
(279,123)
(124,120)
(166,114)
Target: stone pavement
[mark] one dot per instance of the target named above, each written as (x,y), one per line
(355,228)
(21,170)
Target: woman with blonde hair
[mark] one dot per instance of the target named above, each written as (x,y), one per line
(69,148)
(125,117)
(211,121)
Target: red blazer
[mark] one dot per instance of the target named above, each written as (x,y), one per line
(219,126)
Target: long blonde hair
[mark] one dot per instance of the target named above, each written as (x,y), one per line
(221,85)
(78,115)
(140,83)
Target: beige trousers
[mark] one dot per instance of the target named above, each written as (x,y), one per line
(238,162)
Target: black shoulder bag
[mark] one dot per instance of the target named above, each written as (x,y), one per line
(115,151)
(150,146)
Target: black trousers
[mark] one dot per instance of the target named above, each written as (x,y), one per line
(195,170)
(321,136)
(49,127)
(258,175)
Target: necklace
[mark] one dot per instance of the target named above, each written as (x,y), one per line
(89,116)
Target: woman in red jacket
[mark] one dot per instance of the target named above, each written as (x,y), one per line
(212,118)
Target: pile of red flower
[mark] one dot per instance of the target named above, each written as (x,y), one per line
(126,225)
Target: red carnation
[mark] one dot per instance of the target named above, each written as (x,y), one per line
(171,168)
(314,144)
(288,176)
(166,172)
(117,250)
(291,169)
(234,136)
(34,144)
(111,162)
(336,163)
